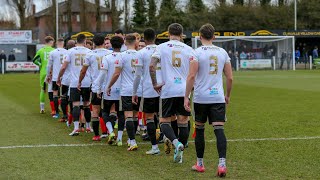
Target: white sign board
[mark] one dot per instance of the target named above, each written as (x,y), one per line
(21,66)
(255,64)
(15,37)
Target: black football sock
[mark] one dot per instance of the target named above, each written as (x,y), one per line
(64,105)
(167,131)
(136,124)
(183,133)
(76,113)
(199,141)
(174,125)
(151,129)
(87,114)
(95,125)
(156,121)
(221,141)
(56,103)
(121,121)
(130,128)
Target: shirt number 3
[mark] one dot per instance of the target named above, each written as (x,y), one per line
(213,65)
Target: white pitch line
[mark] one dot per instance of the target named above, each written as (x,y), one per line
(146,143)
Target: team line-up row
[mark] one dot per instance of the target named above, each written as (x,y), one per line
(156,80)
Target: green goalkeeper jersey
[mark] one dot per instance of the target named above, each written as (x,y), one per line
(41,58)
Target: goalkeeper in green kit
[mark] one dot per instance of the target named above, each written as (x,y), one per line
(41,60)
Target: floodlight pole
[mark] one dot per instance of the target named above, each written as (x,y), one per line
(57,19)
(295,15)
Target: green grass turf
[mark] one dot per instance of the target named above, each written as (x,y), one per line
(264,104)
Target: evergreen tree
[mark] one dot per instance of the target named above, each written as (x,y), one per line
(197,14)
(152,9)
(139,19)
(168,14)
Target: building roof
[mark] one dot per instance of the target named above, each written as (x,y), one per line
(75,8)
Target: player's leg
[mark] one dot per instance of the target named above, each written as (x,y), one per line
(217,118)
(174,125)
(96,105)
(127,107)
(75,98)
(201,114)
(105,113)
(85,93)
(182,120)
(42,92)
(137,117)
(55,89)
(166,111)
(121,123)
(64,103)
(150,106)
(110,121)
(50,96)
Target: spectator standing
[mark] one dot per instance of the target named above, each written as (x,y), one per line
(297,56)
(11,57)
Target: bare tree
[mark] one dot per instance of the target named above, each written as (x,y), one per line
(115,15)
(83,18)
(23,9)
(98,16)
(126,15)
(69,16)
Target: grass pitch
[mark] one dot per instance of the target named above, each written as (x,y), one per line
(264,104)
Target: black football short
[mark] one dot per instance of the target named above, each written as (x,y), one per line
(213,112)
(150,105)
(55,87)
(64,90)
(172,106)
(75,94)
(95,100)
(127,105)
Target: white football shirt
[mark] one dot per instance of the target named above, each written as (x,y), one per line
(175,58)
(144,60)
(208,87)
(108,64)
(93,61)
(127,64)
(55,61)
(76,57)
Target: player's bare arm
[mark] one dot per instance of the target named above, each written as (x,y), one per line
(99,81)
(82,75)
(62,70)
(153,74)
(136,82)
(114,79)
(229,79)
(193,70)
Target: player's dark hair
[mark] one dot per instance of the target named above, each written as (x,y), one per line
(81,38)
(142,40)
(118,31)
(47,39)
(60,40)
(207,31)
(175,29)
(106,38)
(98,40)
(149,34)
(130,39)
(116,42)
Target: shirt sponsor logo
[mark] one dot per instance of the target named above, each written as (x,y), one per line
(177,80)
(213,91)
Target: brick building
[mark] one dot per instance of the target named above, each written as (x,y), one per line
(45,24)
